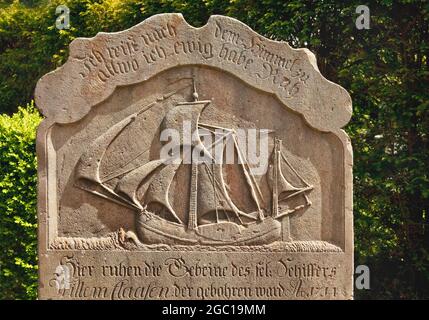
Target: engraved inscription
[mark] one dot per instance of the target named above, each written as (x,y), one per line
(177,271)
(162,44)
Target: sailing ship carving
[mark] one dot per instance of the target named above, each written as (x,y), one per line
(213,216)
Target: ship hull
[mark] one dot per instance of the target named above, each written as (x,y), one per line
(154,230)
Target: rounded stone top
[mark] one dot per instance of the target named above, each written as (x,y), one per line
(96,66)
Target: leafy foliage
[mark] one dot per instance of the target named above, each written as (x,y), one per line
(18,238)
(385,69)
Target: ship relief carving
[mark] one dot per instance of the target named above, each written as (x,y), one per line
(217,203)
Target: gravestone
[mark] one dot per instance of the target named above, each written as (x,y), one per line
(193,163)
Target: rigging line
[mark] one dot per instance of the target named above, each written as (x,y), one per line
(150,105)
(231,131)
(209,130)
(248,178)
(250,171)
(122,201)
(118,173)
(202,125)
(228,199)
(295,193)
(225,198)
(111,199)
(213,126)
(221,138)
(184,87)
(216,142)
(119,196)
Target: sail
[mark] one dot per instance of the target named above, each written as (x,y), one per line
(212,203)
(282,189)
(283,185)
(87,170)
(277,177)
(288,189)
(88,166)
(129,183)
(219,174)
(157,192)
(183,119)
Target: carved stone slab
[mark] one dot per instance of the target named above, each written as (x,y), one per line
(137,195)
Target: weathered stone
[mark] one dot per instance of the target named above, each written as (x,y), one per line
(117,220)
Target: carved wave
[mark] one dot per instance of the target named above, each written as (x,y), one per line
(122,240)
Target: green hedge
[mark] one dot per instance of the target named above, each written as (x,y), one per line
(18,218)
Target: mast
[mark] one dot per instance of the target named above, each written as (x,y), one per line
(190,111)
(193,203)
(275,197)
(285,221)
